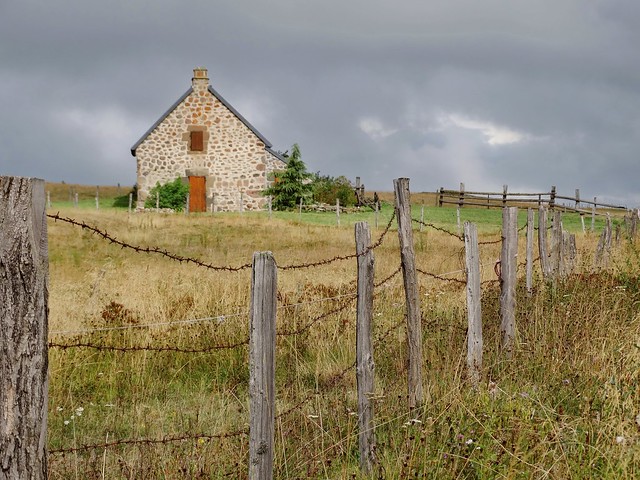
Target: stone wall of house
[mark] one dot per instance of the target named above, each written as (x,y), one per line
(234,160)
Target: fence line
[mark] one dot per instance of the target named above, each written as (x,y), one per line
(334,379)
(510,199)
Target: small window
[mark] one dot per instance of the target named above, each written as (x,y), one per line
(197,141)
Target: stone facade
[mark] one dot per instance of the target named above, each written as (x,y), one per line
(232,156)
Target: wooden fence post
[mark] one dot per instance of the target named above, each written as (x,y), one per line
(593,214)
(557,246)
(365,366)
(508,270)
(407,255)
(461,197)
(75,200)
(543,246)
(577,198)
(130,201)
(552,197)
(604,245)
(270,205)
(24,279)
(529,266)
(505,188)
(422,217)
(186,206)
(377,207)
(441,196)
(474,329)
(262,383)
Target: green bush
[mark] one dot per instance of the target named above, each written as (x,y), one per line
(172,195)
(328,189)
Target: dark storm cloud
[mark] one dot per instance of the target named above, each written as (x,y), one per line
(529,94)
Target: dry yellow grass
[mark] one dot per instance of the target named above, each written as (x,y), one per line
(555,411)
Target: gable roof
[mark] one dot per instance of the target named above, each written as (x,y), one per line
(266,142)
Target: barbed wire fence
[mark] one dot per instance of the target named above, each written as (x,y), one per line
(343,305)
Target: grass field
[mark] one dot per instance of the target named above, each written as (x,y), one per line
(566,405)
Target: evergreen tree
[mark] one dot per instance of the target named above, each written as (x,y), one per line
(291,184)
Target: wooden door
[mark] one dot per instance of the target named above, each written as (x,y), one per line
(197,194)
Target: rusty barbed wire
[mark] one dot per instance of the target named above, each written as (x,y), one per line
(149,250)
(149,441)
(440,229)
(444,279)
(316,320)
(151,348)
(342,257)
(385,280)
(490,242)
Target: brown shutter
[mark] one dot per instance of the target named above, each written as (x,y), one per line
(197,141)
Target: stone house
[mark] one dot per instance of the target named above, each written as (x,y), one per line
(203,140)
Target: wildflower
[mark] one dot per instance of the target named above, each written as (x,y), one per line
(566,381)
(66,422)
(620,440)
(79,411)
(469,442)
(59,409)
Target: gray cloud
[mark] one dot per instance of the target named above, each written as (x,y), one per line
(529,94)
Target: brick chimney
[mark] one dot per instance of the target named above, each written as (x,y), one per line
(200,78)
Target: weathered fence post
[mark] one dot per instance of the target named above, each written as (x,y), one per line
(441,196)
(552,197)
(557,246)
(529,266)
(407,255)
(75,200)
(97,198)
(270,205)
(130,201)
(508,270)
(593,214)
(604,245)
(577,198)
(377,213)
(300,210)
(474,329)
(505,188)
(461,196)
(365,366)
(543,246)
(24,265)
(187,202)
(262,383)
(422,217)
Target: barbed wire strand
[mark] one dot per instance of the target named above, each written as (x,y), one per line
(342,257)
(149,250)
(149,441)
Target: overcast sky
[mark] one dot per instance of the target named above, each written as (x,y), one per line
(520,92)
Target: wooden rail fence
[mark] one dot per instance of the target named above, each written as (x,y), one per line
(550,199)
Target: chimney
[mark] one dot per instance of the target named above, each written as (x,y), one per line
(200,77)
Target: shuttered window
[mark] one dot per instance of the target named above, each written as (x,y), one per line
(197,141)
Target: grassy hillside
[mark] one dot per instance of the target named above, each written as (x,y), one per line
(157,360)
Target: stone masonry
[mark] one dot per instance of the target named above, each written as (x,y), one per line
(235,158)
